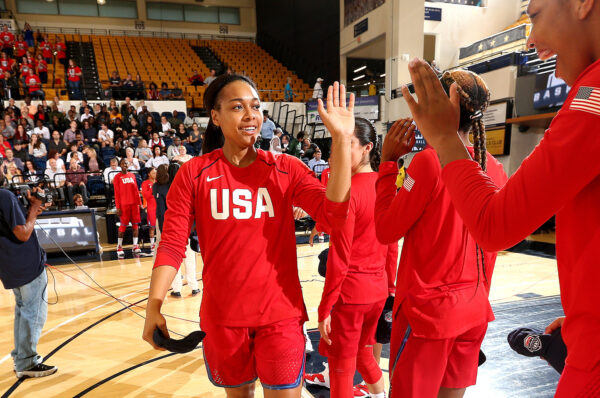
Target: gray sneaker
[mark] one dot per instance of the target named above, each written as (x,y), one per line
(39,370)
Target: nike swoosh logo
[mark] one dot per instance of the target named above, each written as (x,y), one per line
(208,179)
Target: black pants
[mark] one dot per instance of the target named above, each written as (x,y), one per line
(80,189)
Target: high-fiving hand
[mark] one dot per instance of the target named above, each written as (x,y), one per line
(338,119)
(398,141)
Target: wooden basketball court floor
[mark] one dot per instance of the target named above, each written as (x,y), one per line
(96,342)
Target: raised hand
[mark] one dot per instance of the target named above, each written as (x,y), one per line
(338,119)
(398,141)
(436,115)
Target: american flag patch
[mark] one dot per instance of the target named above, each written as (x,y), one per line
(587,100)
(409,183)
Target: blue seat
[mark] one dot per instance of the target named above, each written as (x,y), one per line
(40,163)
(95,185)
(156,117)
(168,115)
(168,142)
(181,116)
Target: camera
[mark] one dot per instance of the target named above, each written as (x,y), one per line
(20,190)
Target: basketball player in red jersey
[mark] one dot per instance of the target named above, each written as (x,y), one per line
(127,201)
(441,309)
(150,204)
(568,154)
(356,283)
(242,199)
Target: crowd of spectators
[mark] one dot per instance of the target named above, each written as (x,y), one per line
(69,145)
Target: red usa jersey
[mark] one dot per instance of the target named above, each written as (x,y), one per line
(7,39)
(245,224)
(562,177)
(126,190)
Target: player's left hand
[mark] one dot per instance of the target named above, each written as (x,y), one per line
(338,118)
(325,329)
(557,323)
(399,140)
(299,213)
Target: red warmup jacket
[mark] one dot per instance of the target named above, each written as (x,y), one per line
(562,177)
(360,270)
(126,190)
(245,224)
(439,287)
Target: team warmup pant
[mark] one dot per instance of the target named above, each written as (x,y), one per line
(352,337)
(420,366)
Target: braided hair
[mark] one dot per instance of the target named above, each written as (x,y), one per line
(474,100)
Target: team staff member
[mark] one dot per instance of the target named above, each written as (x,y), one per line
(242,201)
(127,202)
(356,282)
(500,217)
(22,270)
(441,309)
(150,202)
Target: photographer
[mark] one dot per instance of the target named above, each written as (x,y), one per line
(22,270)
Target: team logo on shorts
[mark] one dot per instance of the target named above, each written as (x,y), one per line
(532,343)
(388,316)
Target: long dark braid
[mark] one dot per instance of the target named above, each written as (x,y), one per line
(474,100)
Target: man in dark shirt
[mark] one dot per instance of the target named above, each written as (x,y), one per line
(115,85)
(21,151)
(22,270)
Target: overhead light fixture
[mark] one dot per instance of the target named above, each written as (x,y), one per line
(101,2)
(358,77)
(382,75)
(361,68)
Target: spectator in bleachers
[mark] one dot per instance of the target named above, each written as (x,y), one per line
(87,114)
(112,104)
(118,127)
(12,173)
(166,128)
(115,85)
(211,78)
(196,79)
(111,171)
(317,89)
(84,105)
(275,145)
(128,87)
(90,134)
(153,93)
(79,141)
(30,174)
(10,85)
(78,202)
(188,121)
(74,153)
(57,123)
(14,108)
(60,50)
(8,40)
(56,144)
(39,37)
(158,158)
(20,150)
(288,92)
(182,132)
(142,152)
(76,181)
(183,155)
(176,93)
(295,147)
(140,91)
(125,104)
(175,121)
(72,116)
(41,68)
(20,46)
(46,48)
(149,133)
(56,177)
(316,160)
(106,136)
(134,128)
(92,162)
(164,93)
(114,114)
(7,129)
(122,142)
(132,162)
(9,157)
(140,109)
(60,163)
(267,131)
(21,134)
(103,116)
(41,130)
(25,69)
(55,112)
(69,135)
(156,141)
(34,85)
(6,63)
(59,106)
(285,143)
(74,76)
(28,32)
(173,149)
(3,146)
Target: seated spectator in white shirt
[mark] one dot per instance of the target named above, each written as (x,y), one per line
(106,136)
(133,163)
(166,127)
(60,164)
(183,156)
(142,152)
(41,130)
(174,149)
(158,158)
(316,160)
(110,172)
(55,175)
(87,113)
(156,140)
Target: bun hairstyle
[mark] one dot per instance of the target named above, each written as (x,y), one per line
(213,136)
(474,100)
(365,132)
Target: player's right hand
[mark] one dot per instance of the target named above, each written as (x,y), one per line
(154,319)
(398,141)
(325,329)
(557,323)
(338,118)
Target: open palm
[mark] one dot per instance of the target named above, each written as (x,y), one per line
(338,119)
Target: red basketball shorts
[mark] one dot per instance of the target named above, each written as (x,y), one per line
(129,213)
(273,353)
(420,366)
(579,383)
(352,326)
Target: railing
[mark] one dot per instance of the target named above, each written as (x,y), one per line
(141,33)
